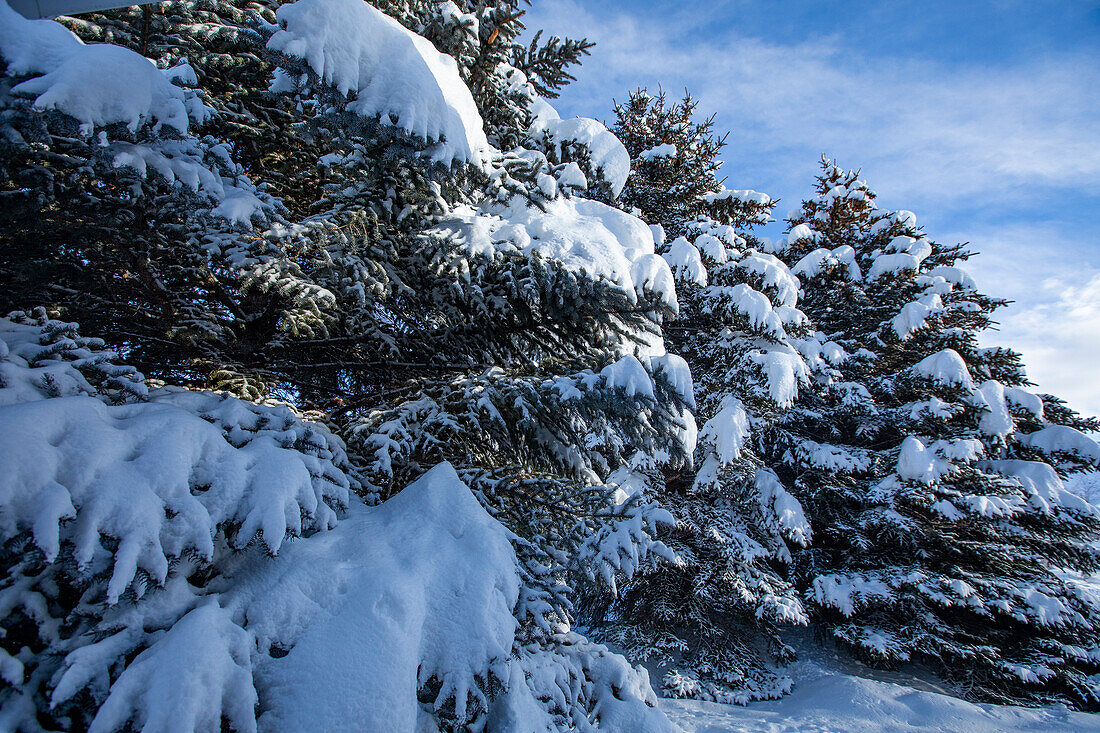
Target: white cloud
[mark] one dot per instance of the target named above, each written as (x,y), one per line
(963,146)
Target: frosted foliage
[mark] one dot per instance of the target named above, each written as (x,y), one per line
(570,676)
(785,371)
(833,458)
(725,434)
(97,84)
(182,162)
(954,275)
(416,594)
(1045,489)
(783,506)
(582,235)
(847,593)
(626,545)
(40,358)
(712,247)
(156,478)
(920,248)
(100,85)
(392,72)
(420,587)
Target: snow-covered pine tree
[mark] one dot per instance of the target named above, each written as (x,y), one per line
(932,476)
(439,300)
(711,621)
(674,160)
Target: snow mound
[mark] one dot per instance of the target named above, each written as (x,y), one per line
(822,260)
(582,235)
(1026,401)
(799,233)
(393,73)
(666,150)
(1063,439)
(892,264)
(915,315)
(945,367)
(96,84)
(1045,489)
(743,195)
(917,463)
(418,588)
(712,247)
(606,152)
(774,275)
(686,262)
(628,374)
(751,303)
(996,420)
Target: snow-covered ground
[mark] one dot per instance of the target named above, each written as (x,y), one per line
(827,701)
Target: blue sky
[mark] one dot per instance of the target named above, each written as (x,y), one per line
(981,117)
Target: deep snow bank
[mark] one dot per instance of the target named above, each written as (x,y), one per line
(825,701)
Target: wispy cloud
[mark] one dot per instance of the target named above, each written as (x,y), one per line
(921,130)
(1006,156)
(1055,321)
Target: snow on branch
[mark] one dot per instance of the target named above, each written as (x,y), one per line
(157,478)
(97,84)
(392,72)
